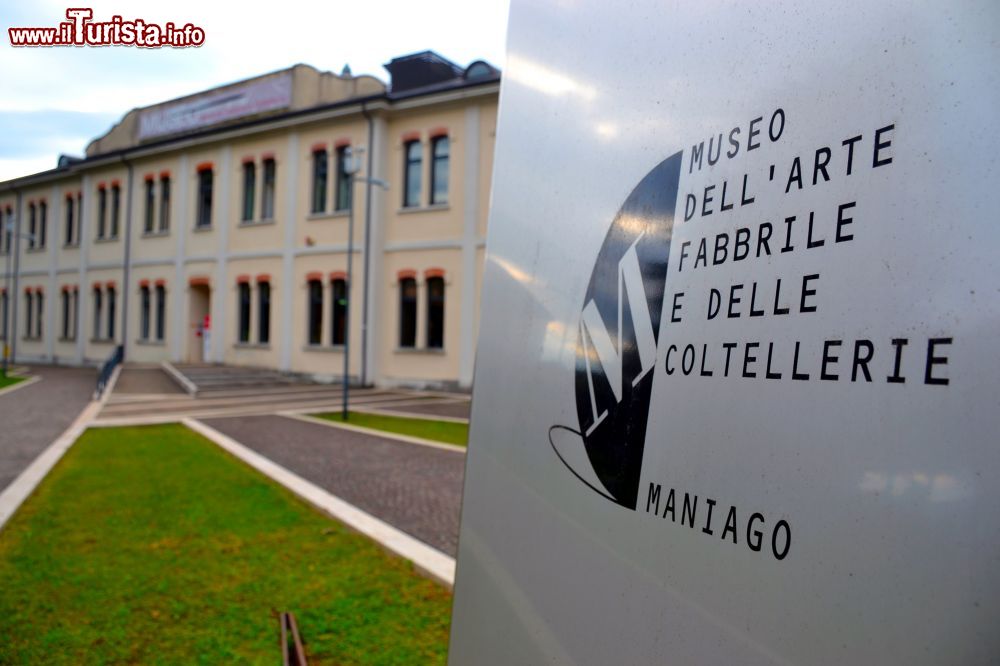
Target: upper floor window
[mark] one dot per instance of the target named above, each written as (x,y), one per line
(70,231)
(343,198)
(243,309)
(339,321)
(7,238)
(204,218)
(102,212)
(249,190)
(43,222)
(149,214)
(439,170)
(411,173)
(32,222)
(407,312)
(263,312)
(315,312)
(116,204)
(319,181)
(164,202)
(435,312)
(267,194)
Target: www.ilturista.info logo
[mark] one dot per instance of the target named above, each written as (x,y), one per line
(616,348)
(81,30)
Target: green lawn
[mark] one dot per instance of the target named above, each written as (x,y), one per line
(150,545)
(448,432)
(10,381)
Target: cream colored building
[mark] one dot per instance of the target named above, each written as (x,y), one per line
(215,228)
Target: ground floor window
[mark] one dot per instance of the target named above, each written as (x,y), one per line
(408,312)
(243,290)
(339,321)
(263,312)
(144,313)
(435,312)
(161,311)
(315,312)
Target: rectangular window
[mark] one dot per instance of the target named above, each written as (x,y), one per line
(76,312)
(150,212)
(435,313)
(411,173)
(8,231)
(343,198)
(111,313)
(29,313)
(249,190)
(439,170)
(164,203)
(31,226)
(161,311)
(319,181)
(98,313)
(79,217)
(3,315)
(243,305)
(66,315)
(116,204)
(144,305)
(339,321)
(102,212)
(407,312)
(39,304)
(43,222)
(204,218)
(267,195)
(263,312)
(70,222)
(315,312)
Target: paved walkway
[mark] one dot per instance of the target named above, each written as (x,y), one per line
(417,489)
(33,417)
(146,381)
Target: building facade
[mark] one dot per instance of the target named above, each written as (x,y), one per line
(216,228)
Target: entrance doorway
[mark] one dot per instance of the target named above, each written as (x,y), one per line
(200,325)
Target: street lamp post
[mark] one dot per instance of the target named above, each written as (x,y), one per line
(352,166)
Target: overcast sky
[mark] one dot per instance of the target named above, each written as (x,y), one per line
(54,100)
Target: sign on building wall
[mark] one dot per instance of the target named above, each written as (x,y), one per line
(737,392)
(246,100)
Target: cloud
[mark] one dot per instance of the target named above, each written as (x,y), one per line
(27,134)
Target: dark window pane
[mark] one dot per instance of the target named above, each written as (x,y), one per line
(111,313)
(339,311)
(435,312)
(97,314)
(43,222)
(204,198)
(319,181)
(164,203)
(408,312)
(102,212)
(31,227)
(315,312)
(76,313)
(263,313)
(116,204)
(244,312)
(411,174)
(39,299)
(249,190)
(439,171)
(144,313)
(267,200)
(161,311)
(28,314)
(68,240)
(150,210)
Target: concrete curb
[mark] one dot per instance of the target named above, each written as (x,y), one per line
(189,387)
(372,431)
(398,410)
(427,559)
(21,488)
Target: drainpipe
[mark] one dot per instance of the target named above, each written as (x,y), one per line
(126,292)
(367,257)
(13,298)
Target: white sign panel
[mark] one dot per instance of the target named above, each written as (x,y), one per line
(737,389)
(246,100)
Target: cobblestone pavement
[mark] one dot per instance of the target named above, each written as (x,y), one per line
(33,417)
(417,489)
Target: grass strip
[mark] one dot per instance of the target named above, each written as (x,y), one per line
(151,545)
(448,432)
